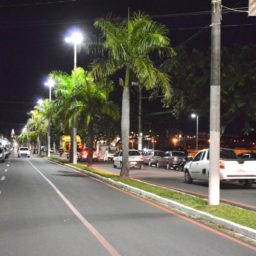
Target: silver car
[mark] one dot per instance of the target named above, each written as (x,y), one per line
(152,157)
(171,159)
(135,159)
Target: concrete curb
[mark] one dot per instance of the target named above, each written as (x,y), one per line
(188,211)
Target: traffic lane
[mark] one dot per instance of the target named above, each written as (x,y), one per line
(135,226)
(232,192)
(34,221)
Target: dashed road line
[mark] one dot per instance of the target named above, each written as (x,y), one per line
(3,178)
(5,170)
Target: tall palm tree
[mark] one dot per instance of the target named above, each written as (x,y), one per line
(92,103)
(131,46)
(86,102)
(37,123)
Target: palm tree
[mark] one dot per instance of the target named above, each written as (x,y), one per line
(86,102)
(92,102)
(37,123)
(130,46)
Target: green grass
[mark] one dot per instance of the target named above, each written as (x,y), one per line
(236,214)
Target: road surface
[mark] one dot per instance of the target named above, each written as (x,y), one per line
(49,209)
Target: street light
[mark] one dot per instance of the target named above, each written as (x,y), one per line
(50,84)
(40,104)
(193,115)
(75,38)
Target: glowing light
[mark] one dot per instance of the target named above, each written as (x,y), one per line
(193,115)
(50,83)
(76,37)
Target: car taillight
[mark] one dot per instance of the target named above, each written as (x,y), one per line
(84,153)
(222,164)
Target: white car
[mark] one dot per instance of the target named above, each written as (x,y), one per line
(24,151)
(230,167)
(2,154)
(135,159)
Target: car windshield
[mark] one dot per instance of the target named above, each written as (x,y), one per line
(227,154)
(159,153)
(134,153)
(178,153)
(23,148)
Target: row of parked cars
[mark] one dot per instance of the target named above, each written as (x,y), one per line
(168,159)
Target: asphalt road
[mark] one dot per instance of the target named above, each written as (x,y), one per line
(49,209)
(230,192)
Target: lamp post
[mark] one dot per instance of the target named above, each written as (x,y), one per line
(40,104)
(75,38)
(50,83)
(193,115)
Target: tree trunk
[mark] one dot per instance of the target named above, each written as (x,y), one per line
(90,146)
(125,127)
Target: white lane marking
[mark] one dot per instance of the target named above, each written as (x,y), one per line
(5,170)
(0,192)
(3,178)
(7,165)
(111,250)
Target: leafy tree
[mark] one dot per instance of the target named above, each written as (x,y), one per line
(129,48)
(190,73)
(87,102)
(38,122)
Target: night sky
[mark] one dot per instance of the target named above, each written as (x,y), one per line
(33,31)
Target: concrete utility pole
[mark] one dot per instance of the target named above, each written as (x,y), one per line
(139,121)
(214,176)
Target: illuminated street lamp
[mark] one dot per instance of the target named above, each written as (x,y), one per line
(50,84)
(193,115)
(75,38)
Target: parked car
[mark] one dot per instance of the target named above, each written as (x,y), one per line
(2,155)
(82,154)
(23,151)
(110,154)
(247,155)
(6,152)
(135,159)
(153,156)
(231,167)
(171,159)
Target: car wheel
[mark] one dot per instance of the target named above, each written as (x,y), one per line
(187,178)
(114,165)
(180,168)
